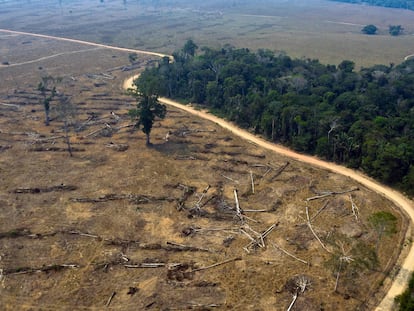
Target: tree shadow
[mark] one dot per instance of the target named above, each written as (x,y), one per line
(174,148)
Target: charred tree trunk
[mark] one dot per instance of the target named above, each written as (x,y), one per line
(148,142)
(67,138)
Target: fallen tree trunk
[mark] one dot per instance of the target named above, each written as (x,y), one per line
(26,270)
(133,198)
(146,265)
(57,149)
(61,187)
(279,171)
(217,264)
(180,247)
(329,193)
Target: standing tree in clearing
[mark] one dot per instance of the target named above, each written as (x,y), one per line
(370,29)
(395,30)
(67,113)
(47,88)
(148,106)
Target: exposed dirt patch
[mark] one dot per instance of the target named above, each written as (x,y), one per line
(163,220)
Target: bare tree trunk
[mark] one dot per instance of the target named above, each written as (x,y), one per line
(47,120)
(148,143)
(67,138)
(295,296)
(252,180)
(337,275)
(377,244)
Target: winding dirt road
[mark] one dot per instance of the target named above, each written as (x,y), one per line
(83,42)
(408,57)
(49,57)
(407,267)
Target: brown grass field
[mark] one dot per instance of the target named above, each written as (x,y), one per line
(123,221)
(324,30)
(125,227)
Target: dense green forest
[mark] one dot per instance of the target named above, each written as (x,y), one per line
(400,4)
(406,299)
(361,119)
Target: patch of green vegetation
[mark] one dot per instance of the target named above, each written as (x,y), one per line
(361,119)
(302,30)
(395,30)
(370,29)
(384,223)
(399,4)
(405,301)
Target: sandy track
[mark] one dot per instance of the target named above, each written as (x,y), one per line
(344,23)
(83,42)
(48,57)
(407,268)
(408,57)
(401,280)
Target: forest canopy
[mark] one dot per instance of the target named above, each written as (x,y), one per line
(362,119)
(399,4)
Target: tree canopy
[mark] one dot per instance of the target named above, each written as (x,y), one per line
(400,4)
(406,299)
(370,29)
(148,106)
(362,119)
(395,30)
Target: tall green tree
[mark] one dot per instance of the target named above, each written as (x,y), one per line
(148,108)
(190,48)
(406,299)
(370,29)
(395,30)
(360,118)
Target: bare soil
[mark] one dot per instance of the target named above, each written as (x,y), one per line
(315,29)
(132,227)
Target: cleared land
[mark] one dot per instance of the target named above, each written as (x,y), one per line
(314,29)
(70,227)
(121,218)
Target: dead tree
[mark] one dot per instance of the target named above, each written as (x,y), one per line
(239,211)
(334,124)
(67,114)
(355,209)
(110,299)
(217,264)
(197,206)
(252,180)
(324,194)
(279,171)
(300,284)
(259,240)
(308,222)
(289,254)
(47,88)
(343,258)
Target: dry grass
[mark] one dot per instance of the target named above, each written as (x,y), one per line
(132,207)
(316,29)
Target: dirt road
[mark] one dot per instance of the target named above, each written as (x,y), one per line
(401,281)
(407,268)
(84,42)
(408,57)
(405,204)
(48,57)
